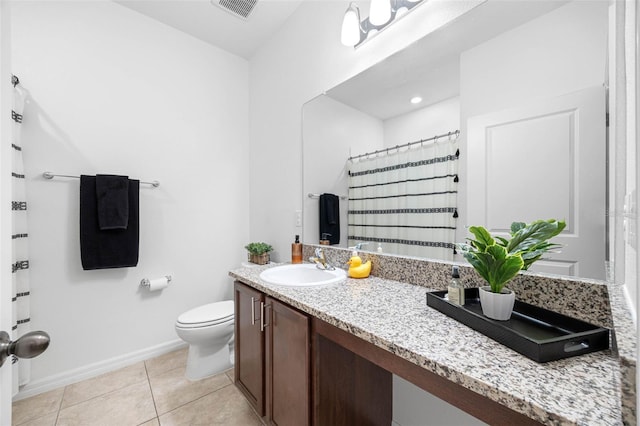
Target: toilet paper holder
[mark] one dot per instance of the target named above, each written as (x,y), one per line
(145,282)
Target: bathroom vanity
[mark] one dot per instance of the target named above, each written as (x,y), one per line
(326,355)
(283,351)
(272,356)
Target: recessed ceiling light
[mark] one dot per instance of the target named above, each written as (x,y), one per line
(416,100)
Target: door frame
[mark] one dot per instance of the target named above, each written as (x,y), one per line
(5,197)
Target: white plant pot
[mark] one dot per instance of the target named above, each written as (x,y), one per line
(497,306)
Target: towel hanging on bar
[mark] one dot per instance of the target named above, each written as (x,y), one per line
(112,248)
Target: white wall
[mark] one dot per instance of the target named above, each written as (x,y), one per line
(332,133)
(432,120)
(414,407)
(552,55)
(112,91)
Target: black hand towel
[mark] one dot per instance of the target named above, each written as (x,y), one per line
(112,248)
(113,201)
(330,217)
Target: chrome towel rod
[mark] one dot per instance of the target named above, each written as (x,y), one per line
(312,195)
(49,175)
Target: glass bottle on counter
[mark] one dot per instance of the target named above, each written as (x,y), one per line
(455,291)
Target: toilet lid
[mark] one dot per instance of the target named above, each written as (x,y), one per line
(206,315)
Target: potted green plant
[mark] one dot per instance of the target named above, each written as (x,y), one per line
(498,260)
(258,252)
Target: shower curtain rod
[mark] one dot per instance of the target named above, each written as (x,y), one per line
(49,175)
(435,139)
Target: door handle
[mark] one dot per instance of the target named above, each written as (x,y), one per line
(30,345)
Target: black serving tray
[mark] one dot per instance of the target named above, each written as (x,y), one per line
(536,333)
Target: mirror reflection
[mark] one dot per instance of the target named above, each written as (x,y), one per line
(524,83)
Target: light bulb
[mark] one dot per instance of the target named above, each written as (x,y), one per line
(380,12)
(416,100)
(401,12)
(351,26)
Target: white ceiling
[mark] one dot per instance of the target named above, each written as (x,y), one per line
(216,26)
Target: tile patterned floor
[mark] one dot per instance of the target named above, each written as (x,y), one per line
(150,393)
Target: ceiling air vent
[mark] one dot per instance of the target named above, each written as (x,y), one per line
(240,8)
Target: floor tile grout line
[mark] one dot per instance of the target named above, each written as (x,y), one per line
(102,394)
(194,400)
(99,396)
(153,398)
(64,390)
(56,411)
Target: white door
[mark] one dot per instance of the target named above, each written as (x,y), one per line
(544,160)
(5,212)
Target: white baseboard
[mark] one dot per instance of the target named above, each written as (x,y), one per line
(46,384)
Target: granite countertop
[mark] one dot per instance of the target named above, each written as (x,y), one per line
(392,315)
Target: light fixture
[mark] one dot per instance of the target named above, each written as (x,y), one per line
(351,26)
(416,100)
(382,13)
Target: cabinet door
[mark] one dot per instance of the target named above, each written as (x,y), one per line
(288,365)
(249,345)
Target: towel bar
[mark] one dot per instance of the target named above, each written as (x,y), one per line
(312,195)
(49,175)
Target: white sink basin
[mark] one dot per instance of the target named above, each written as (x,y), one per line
(302,275)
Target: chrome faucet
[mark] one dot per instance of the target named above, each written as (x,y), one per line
(321,261)
(358,246)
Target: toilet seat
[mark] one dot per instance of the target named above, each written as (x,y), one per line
(207,315)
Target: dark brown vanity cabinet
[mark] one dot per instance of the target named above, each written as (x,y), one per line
(288,373)
(249,345)
(272,357)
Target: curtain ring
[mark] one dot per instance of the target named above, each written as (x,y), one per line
(449,136)
(457,133)
(435,139)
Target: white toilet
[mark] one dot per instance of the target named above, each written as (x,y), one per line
(208,330)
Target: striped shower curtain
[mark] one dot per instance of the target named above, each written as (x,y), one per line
(405,202)
(19,234)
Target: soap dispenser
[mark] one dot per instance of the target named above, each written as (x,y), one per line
(296,251)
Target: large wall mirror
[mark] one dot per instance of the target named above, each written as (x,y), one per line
(524,84)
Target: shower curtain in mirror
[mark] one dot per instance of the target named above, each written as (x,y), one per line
(19,235)
(405,201)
